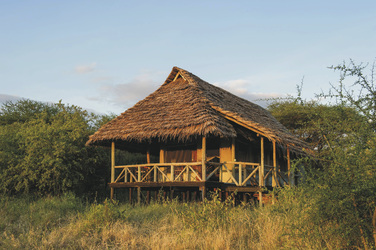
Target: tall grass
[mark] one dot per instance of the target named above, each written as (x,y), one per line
(67,222)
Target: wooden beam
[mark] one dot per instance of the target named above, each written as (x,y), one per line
(203,158)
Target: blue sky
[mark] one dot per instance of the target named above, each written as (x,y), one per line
(107,55)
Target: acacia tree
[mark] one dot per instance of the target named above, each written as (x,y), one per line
(341,188)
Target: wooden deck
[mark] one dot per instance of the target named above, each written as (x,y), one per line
(239,177)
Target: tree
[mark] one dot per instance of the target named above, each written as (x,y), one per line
(43,149)
(341,186)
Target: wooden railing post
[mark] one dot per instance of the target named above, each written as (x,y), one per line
(139,174)
(155,173)
(172,173)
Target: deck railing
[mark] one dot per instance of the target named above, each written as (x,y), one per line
(238,173)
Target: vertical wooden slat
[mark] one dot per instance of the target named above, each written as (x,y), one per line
(203,151)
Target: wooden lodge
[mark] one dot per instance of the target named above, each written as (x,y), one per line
(201,138)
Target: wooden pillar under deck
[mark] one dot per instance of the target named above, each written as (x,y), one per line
(148,196)
(171,193)
(183,196)
(195,195)
(138,195)
(112,168)
(130,195)
(203,192)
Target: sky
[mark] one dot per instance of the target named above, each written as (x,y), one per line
(104,56)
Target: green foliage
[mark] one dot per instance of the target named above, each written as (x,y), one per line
(341,186)
(43,149)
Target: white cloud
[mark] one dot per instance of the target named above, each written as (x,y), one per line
(127,94)
(241,88)
(4,98)
(83,69)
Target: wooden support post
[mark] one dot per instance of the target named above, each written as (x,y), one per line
(288,166)
(138,195)
(240,174)
(130,195)
(112,168)
(274,176)
(148,197)
(148,156)
(233,156)
(183,196)
(187,196)
(203,151)
(171,193)
(161,156)
(261,172)
(203,192)
(233,149)
(161,160)
(195,195)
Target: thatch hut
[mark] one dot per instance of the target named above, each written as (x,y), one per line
(202,137)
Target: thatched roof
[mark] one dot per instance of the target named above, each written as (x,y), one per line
(185,107)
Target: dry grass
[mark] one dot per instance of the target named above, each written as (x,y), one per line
(166,225)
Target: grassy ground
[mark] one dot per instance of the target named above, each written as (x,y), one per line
(68,222)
